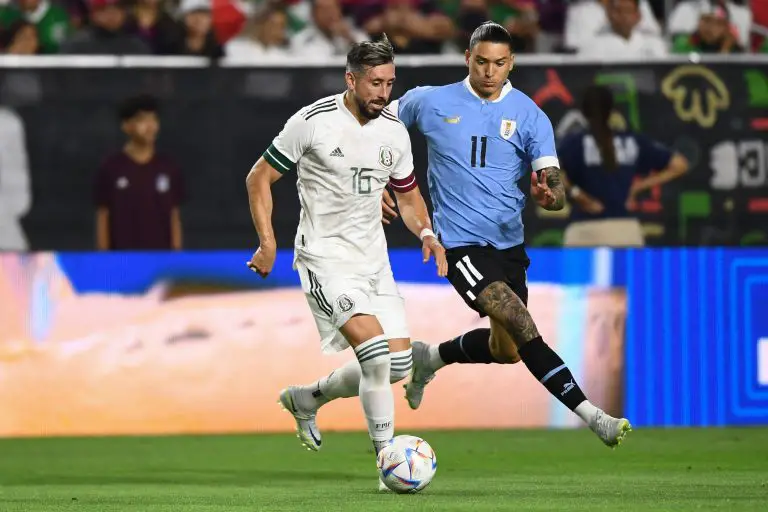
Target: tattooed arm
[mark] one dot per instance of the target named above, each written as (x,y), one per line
(548,189)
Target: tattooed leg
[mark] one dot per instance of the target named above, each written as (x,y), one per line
(499,302)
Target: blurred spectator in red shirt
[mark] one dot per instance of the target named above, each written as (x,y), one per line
(20,39)
(138,191)
(107,34)
(760,25)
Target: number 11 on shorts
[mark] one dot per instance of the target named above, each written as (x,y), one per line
(470,273)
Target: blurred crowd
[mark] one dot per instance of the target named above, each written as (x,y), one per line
(250,30)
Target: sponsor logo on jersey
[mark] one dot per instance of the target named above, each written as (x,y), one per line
(385,156)
(507,128)
(452,120)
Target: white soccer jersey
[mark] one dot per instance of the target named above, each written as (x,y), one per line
(342,169)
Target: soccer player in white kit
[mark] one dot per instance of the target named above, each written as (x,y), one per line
(345,149)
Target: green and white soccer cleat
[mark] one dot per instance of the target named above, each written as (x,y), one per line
(306,427)
(610,430)
(421,375)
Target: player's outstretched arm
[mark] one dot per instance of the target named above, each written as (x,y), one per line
(415,215)
(259,185)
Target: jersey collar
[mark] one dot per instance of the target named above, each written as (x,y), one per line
(505,89)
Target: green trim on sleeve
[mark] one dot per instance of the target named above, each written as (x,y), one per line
(279,161)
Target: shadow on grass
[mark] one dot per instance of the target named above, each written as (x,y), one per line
(165,476)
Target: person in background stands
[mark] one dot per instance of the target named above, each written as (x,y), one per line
(713,35)
(106,34)
(265,35)
(328,33)
(605,170)
(151,22)
(138,191)
(20,38)
(196,36)
(52,21)
(624,37)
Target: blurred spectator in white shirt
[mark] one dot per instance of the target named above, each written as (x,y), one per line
(15,189)
(684,18)
(327,33)
(266,35)
(623,37)
(584,18)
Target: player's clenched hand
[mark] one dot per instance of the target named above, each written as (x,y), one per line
(388,213)
(541,191)
(431,246)
(263,260)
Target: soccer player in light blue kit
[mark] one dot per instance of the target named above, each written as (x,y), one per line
(482,136)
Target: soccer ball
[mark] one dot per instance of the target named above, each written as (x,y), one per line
(407,464)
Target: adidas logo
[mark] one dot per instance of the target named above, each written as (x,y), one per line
(337,152)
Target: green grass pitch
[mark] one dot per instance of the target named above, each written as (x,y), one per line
(676,470)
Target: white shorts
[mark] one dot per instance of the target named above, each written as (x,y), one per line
(334,300)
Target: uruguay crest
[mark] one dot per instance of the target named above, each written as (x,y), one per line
(507,128)
(385,156)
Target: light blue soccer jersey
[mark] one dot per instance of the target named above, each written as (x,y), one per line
(477,152)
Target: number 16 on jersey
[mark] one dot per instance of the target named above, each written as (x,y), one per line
(361,181)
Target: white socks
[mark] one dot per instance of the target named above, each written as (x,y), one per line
(375,390)
(586,411)
(344,382)
(435,361)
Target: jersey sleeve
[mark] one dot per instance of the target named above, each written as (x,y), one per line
(403,178)
(652,155)
(291,143)
(539,141)
(408,107)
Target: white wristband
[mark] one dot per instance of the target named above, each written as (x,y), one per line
(575,192)
(425,233)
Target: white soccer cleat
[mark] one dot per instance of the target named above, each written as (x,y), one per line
(306,428)
(421,374)
(383,487)
(609,429)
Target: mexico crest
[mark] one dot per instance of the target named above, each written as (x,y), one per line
(385,156)
(345,303)
(507,128)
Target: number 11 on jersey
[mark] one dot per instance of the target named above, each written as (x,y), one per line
(483,142)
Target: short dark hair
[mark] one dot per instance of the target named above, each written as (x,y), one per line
(370,54)
(490,32)
(135,104)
